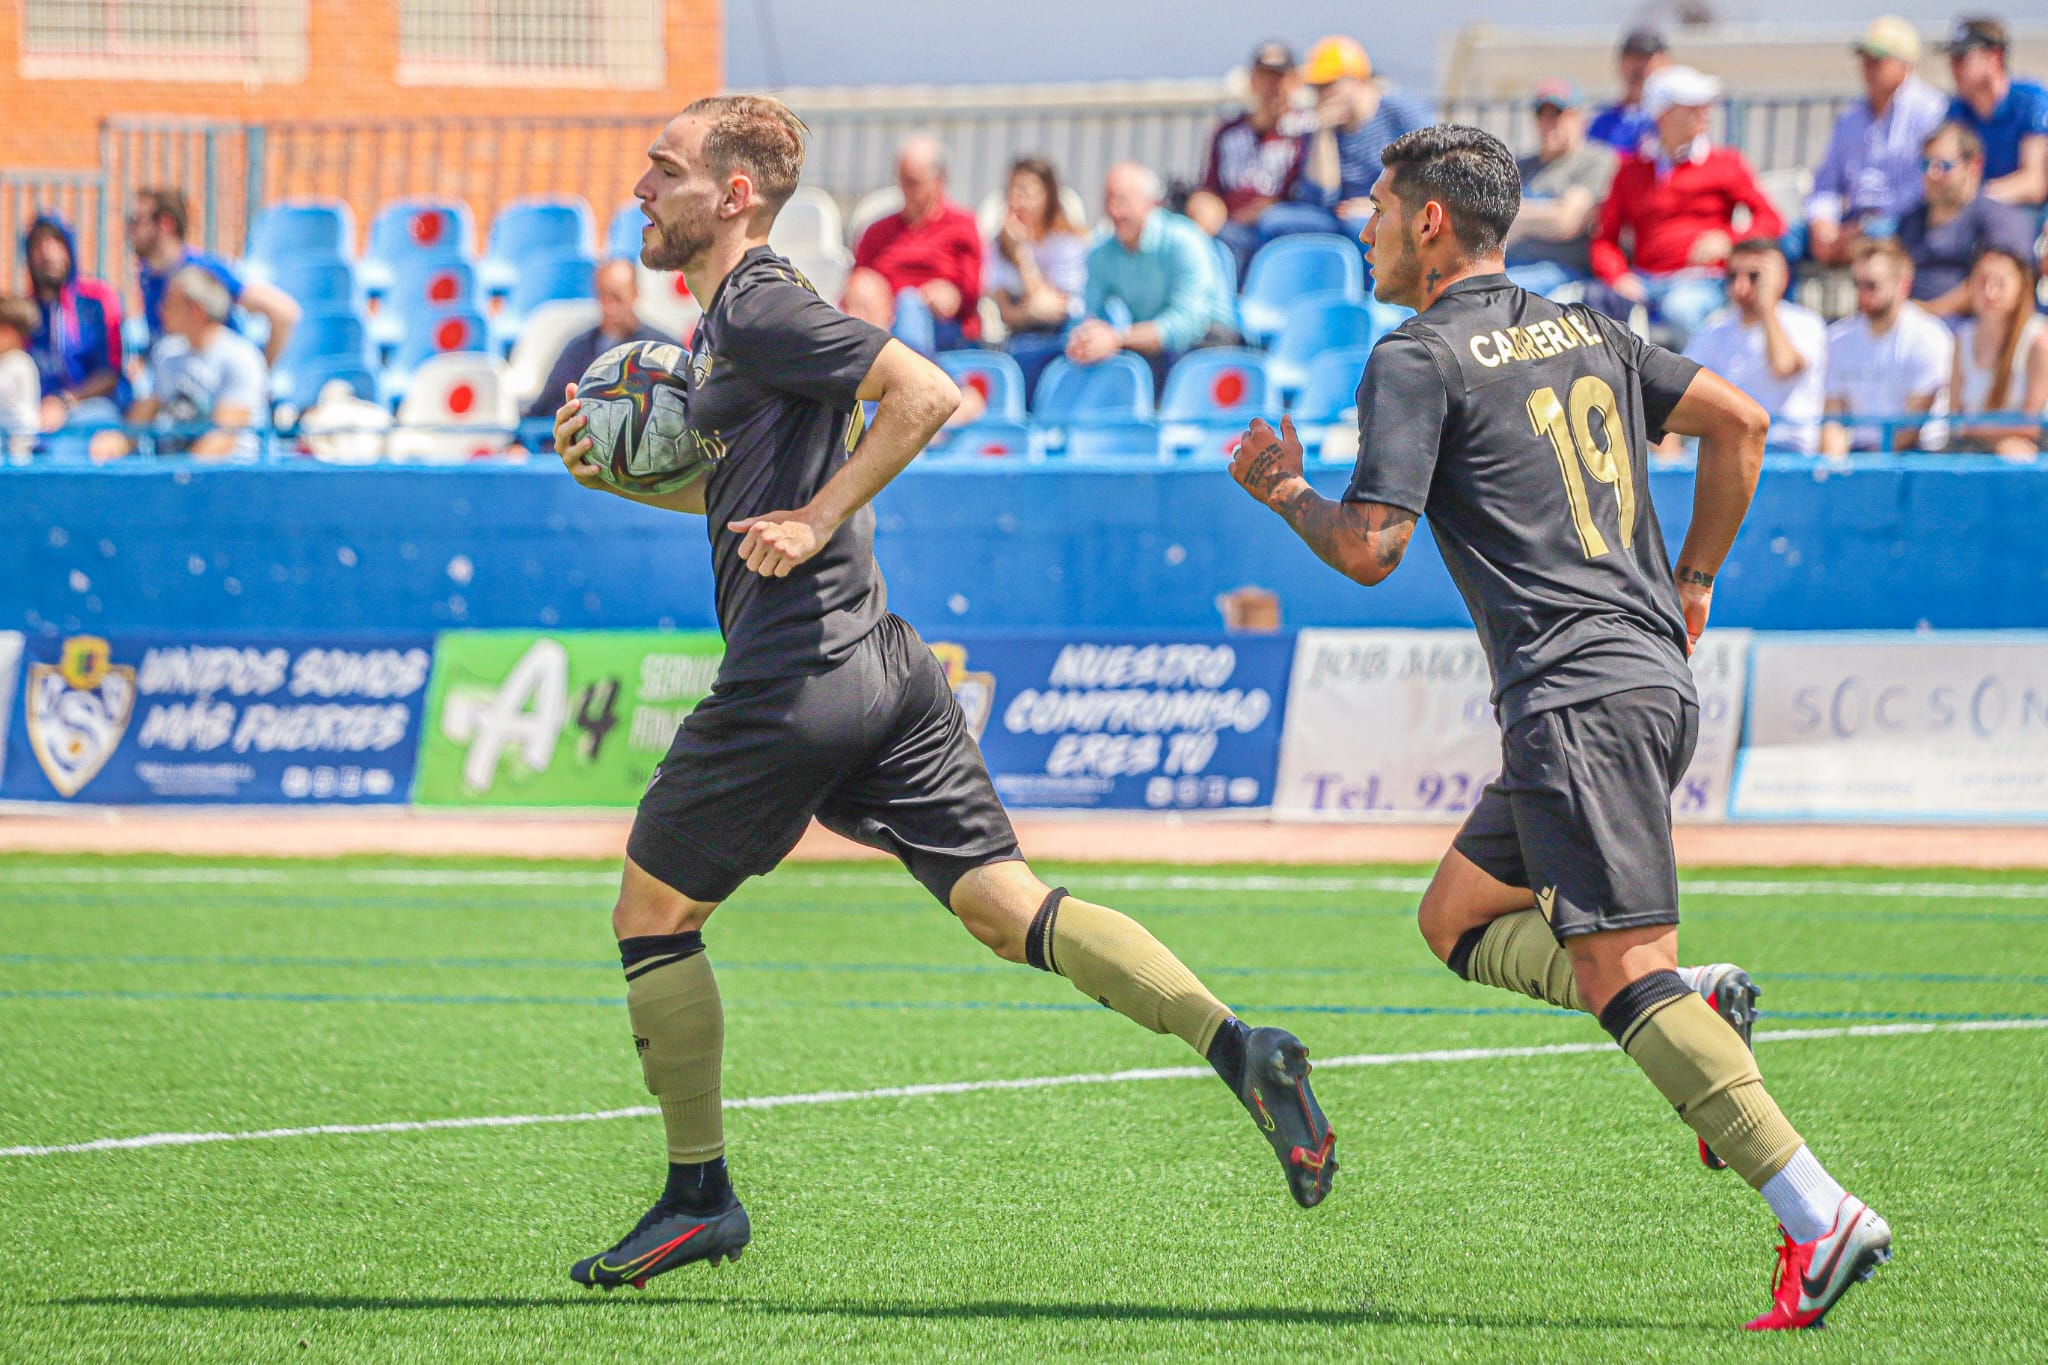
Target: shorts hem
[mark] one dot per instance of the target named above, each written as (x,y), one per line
(707,877)
(1645,920)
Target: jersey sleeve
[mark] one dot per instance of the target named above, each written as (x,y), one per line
(788,338)
(1402,407)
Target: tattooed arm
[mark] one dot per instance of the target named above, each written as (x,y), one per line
(1361,540)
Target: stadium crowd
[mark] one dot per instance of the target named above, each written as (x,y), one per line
(1933,203)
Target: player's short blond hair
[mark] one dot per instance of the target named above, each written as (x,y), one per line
(757,134)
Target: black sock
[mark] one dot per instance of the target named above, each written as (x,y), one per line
(1226,1052)
(697,1186)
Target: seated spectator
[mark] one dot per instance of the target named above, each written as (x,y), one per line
(21,391)
(77,345)
(2009,116)
(1157,269)
(1890,360)
(208,388)
(1255,159)
(1356,117)
(1870,177)
(618,290)
(918,272)
(156,234)
(1037,267)
(1563,186)
(2001,360)
(1955,220)
(1676,200)
(1623,125)
(1774,351)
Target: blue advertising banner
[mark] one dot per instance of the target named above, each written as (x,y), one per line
(1121,723)
(244,720)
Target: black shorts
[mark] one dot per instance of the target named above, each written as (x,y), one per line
(1582,811)
(876,748)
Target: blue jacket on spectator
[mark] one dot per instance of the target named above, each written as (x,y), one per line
(80,333)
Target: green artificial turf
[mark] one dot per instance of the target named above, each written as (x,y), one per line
(1506,1208)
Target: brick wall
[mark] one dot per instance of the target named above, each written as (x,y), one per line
(351,75)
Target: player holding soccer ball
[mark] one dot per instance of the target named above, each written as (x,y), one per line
(1521,428)
(826,704)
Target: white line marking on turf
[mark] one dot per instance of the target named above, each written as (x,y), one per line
(901,1092)
(891,877)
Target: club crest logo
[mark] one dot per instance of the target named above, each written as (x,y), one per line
(77,709)
(700,367)
(976,692)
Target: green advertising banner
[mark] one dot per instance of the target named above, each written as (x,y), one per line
(572,718)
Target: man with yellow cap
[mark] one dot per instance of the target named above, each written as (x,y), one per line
(1870,177)
(1357,116)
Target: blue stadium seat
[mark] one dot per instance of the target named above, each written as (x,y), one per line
(320,284)
(992,374)
(990,439)
(301,228)
(1320,322)
(1226,261)
(334,334)
(531,230)
(1119,387)
(440,331)
(1288,268)
(622,238)
(1331,389)
(543,280)
(420,286)
(1210,396)
(407,230)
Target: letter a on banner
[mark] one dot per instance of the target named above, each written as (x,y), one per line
(526,714)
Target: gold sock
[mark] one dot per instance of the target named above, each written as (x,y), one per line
(1699,1064)
(1518,952)
(679,1027)
(1112,959)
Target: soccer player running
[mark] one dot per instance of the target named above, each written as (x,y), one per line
(827,705)
(1519,428)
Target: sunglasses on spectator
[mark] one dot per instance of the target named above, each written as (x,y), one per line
(1942,164)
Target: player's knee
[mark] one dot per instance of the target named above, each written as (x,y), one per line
(638,913)
(1439,926)
(995,903)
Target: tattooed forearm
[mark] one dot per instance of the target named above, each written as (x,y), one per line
(1695,578)
(1361,540)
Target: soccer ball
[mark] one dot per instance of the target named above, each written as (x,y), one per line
(639,427)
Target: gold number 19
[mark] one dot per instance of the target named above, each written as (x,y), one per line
(1571,436)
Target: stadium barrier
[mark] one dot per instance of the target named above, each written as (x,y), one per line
(1344,725)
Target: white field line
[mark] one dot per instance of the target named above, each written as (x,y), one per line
(1328,884)
(902,1092)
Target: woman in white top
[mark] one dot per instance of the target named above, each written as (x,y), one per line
(2001,359)
(1037,264)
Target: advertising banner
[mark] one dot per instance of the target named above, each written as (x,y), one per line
(135,719)
(10,675)
(1896,728)
(1117,723)
(1397,725)
(572,718)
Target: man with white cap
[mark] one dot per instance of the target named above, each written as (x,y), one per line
(1674,202)
(1870,177)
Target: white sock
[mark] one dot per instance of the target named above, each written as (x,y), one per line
(1804,1196)
(1691,977)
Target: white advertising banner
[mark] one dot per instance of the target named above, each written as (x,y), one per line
(10,675)
(1902,727)
(1397,725)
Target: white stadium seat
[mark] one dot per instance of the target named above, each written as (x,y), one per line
(542,335)
(457,406)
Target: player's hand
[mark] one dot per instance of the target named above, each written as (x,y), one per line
(1632,288)
(1266,461)
(1694,599)
(773,544)
(571,444)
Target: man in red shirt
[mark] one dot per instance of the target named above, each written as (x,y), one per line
(1674,202)
(918,272)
